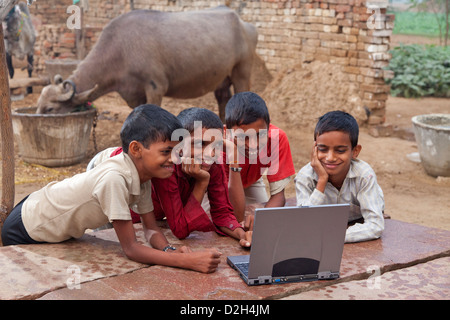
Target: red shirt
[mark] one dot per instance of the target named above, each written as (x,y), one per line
(173,199)
(275,157)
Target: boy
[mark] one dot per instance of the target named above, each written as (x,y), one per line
(259,148)
(179,198)
(65,209)
(335,175)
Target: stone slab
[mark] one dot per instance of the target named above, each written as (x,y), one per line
(424,281)
(29,271)
(402,245)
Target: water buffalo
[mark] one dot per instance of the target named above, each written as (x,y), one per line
(20,38)
(145,55)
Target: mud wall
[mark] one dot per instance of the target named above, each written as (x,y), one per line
(353,34)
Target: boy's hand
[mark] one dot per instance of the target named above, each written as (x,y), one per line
(319,169)
(247,241)
(204,261)
(248,222)
(185,249)
(193,169)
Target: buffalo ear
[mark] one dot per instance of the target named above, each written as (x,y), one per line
(82,97)
(57,79)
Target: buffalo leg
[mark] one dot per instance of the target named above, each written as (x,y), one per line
(240,77)
(30,60)
(154,92)
(10,65)
(223,94)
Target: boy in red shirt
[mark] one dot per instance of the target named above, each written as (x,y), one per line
(260,148)
(179,198)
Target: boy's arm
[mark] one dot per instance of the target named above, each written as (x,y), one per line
(282,166)
(201,178)
(221,209)
(319,170)
(233,173)
(205,261)
(305,188)
(183,211)
(236,192)
(244,237)
(371,201)
(152,232)
(276,200)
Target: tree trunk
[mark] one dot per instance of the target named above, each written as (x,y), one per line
(6,136)
(447,13)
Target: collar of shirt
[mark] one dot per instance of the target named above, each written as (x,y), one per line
(133,177)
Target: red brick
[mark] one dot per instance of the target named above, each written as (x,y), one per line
(343,8)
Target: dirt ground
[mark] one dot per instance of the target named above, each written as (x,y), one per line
(295,98)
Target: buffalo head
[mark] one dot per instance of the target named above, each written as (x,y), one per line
(61,97)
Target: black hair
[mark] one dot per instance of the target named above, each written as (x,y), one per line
(209,120)
(147,124)
(338,121)
(245,108)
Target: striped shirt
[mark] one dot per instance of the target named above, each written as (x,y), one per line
(360,188)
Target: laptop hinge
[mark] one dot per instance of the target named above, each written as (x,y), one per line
(328,275)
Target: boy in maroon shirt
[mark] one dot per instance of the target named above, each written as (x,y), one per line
(179,198)
(200,172)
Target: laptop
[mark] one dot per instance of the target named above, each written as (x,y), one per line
(293,244)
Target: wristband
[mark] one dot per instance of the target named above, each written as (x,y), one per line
(169,247)
(238,169)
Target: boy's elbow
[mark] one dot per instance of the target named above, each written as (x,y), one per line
(379,230)
(180,233)
(130,251)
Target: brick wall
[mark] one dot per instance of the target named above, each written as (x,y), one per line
(341,32)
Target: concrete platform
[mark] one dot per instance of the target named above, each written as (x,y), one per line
(407,256)
(424,281)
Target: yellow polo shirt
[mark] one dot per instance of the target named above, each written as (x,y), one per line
(65,209)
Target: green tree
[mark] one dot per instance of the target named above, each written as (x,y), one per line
(441,10)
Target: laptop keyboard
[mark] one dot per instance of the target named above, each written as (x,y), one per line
(243,267)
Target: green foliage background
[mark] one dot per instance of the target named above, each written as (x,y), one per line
(420,71)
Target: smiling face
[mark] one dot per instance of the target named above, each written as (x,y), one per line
(334,151)
(204,148)
(154,161)
(251,137)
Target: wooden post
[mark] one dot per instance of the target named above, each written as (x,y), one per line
(8,187)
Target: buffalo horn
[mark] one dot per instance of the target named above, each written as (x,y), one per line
(68,93)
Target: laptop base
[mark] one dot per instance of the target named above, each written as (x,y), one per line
(242,268)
